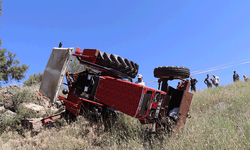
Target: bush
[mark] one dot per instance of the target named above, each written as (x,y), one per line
(75,66)
(19,96)
(34,79)
(13,123)
(22,96)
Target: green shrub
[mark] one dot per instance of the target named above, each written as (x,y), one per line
(75,66)
(14,124)
(34,79)
(22,96)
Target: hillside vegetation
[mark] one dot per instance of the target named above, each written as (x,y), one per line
(220,119)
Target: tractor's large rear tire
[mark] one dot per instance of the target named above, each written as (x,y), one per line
(174,72)
(118,63)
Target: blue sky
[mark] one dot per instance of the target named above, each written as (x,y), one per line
(152,33)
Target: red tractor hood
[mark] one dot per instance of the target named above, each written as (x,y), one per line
(119,94)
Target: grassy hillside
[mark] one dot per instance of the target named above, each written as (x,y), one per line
(220,120)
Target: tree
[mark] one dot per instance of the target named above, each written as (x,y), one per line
(75,66)
(34,79)
(0,18)
(9,69)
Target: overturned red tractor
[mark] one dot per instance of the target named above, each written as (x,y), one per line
(105,87)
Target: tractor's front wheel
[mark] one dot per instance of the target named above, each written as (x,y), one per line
(172,72)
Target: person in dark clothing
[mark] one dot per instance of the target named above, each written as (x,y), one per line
(236,77)
(208,81)
(193,83)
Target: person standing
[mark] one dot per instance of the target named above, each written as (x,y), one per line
(208,81)
(236,77)
(182,84)
(245,78)
(216,80)
(193,84)
(140,81)
(179,86)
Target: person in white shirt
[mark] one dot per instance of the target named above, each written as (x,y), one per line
(140,81)
(245,78)
(216,80)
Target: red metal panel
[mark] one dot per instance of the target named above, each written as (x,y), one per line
(74,105)
(183,110)
(119,94)
(87,54)
(78,50)
(185,105)
(92,53)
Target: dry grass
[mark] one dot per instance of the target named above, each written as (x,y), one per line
(220,120)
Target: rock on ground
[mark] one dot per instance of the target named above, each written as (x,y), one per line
(2,109)
(7,115)
(39,109)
